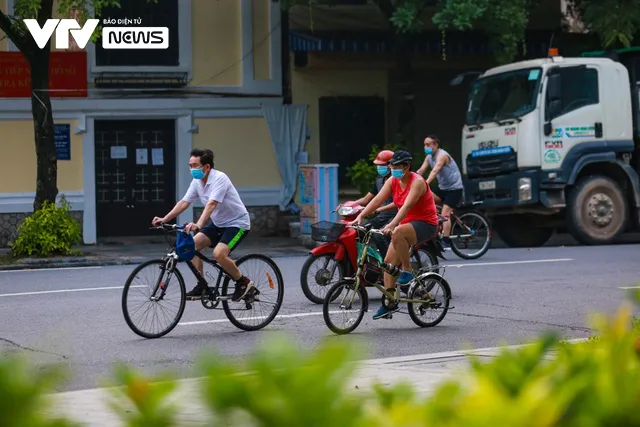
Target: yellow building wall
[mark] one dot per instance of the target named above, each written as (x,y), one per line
(18,164)
(261,39)
(242,149)
(308,86)
(216,43)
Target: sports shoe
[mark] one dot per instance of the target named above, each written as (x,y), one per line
(243,285)
(384,311)
(195,293)
(405,277)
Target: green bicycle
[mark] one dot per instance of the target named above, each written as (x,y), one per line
(428,292)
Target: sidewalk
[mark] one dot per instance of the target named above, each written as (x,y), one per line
(125,251)
(425,372)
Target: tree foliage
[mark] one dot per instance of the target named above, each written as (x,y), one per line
(505,22)
(616,22)
(11,23)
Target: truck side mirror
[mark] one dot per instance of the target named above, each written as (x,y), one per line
(553,88)
(554,108)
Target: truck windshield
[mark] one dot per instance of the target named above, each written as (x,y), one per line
(503,96)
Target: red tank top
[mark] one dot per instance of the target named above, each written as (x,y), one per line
(424,209)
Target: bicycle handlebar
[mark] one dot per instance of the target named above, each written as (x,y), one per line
(167,227)
(370,230)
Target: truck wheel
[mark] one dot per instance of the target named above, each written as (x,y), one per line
(521,231)
(596,211)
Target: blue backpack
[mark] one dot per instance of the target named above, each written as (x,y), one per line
(185,247)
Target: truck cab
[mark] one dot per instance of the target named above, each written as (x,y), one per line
(552,144)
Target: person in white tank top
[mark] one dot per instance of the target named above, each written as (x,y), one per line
(450,188)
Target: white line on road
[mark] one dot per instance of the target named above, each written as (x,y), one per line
(531,261)
(629,287)
(59,291)
(474,264)
(26,270)
(280,316)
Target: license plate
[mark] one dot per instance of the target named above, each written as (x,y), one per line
(488,185)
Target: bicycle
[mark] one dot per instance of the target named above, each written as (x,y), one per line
(369,270)
(459,222)
(211,296)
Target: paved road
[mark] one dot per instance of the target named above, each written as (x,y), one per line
(508,296)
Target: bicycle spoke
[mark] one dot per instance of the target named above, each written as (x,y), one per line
(260,304)
(152,314)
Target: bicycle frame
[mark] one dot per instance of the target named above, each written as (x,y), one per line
(172,260)
(457,220)
(358,276)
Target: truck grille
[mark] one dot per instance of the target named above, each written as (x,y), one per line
(498,164)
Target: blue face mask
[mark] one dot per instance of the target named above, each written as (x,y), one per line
(197,173)
(383,170)
(397,173)
(428,150)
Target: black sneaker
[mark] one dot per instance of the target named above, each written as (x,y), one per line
(195,293)
(242,287)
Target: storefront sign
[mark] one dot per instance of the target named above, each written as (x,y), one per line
(67,71)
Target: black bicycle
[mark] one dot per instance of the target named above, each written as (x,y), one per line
(267,280)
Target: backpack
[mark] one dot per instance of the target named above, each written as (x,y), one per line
(185,247)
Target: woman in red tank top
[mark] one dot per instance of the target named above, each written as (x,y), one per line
(416,220)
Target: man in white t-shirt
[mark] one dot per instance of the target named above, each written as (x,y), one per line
(230,221)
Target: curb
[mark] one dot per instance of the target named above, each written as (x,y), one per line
(41,264)
(78,262)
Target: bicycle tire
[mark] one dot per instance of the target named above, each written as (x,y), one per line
(411,307)
(125,291)
(336,288)
(225,286)
(433,259)
(488,241)
(304,272)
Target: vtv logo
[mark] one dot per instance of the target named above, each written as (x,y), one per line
(62,28)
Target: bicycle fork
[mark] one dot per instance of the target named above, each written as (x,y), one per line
(163,284)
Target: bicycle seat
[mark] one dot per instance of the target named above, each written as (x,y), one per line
(442,219)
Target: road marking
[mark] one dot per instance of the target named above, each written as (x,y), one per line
(280,316)
(49,269)
(629,287)
(59,291)
(56,291)
(531,261)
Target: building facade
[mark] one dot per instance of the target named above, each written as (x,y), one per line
(342,64)
(130,134)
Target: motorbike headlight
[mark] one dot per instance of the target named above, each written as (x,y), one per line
(345,211)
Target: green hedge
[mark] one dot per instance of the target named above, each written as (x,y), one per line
(596,383)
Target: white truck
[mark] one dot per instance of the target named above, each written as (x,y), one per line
(553,144)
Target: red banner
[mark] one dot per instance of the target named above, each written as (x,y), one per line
(67,75)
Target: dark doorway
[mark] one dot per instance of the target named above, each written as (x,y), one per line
(135,174)
(349,127)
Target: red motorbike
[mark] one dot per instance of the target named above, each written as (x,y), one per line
(336,256)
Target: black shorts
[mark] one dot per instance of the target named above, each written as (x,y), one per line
(451,198)
(424,230)
(230,236)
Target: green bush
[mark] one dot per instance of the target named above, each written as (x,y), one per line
(50,231)
(595,383)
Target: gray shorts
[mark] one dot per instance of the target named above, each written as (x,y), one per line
(424,230)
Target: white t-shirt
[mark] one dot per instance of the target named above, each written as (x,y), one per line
(230,211)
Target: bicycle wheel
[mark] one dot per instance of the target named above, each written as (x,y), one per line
(154,294)
(467,228)
(318,273)
(424,259)
(339,301)
(268,293)
(436,292)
